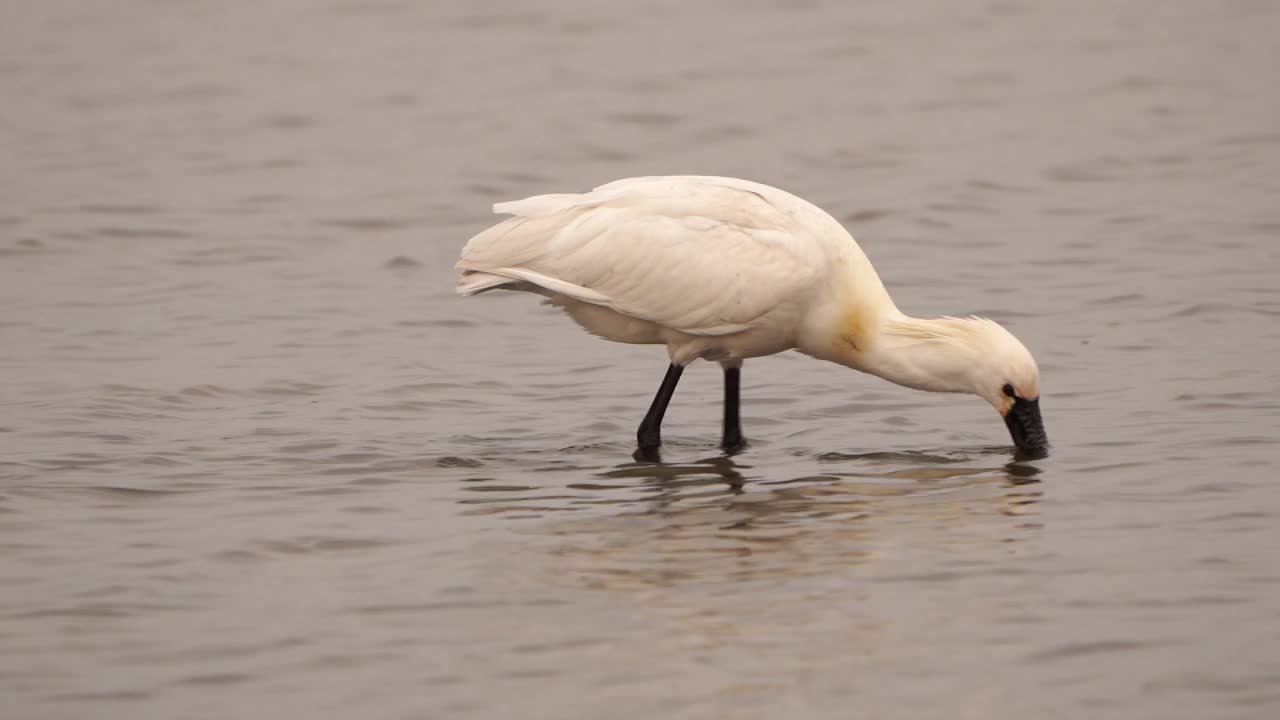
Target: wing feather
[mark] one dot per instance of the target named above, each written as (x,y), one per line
(702,258)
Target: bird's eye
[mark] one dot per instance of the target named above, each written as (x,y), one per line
(1007,389)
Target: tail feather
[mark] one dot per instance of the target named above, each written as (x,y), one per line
(472,282)
(541,205)
(498,256)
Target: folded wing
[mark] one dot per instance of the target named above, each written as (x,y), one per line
(685,253)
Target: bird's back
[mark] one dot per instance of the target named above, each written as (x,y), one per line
(724,199)
(704,255)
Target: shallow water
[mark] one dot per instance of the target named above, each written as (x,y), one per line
(258,459)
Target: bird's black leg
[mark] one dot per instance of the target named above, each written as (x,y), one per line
(731,439)
(649,435)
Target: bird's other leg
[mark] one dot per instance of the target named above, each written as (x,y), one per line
(649,434)
(731,438)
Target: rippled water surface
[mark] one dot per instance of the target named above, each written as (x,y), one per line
(256,458)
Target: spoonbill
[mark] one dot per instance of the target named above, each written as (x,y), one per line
(724,269)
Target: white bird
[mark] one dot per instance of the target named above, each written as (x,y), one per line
(724,270)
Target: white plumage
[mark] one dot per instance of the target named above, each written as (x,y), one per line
(726,269)
(691,258)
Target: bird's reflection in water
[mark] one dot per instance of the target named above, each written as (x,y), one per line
(671,480)
(720,519)
(721,553)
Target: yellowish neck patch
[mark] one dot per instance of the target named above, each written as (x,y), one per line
(859,328)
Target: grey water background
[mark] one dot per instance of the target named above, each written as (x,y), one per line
(256,459)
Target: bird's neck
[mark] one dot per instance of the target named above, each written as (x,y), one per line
(918,353)
(858,325)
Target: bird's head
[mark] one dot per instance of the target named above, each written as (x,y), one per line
(972,355)
(1006,375)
